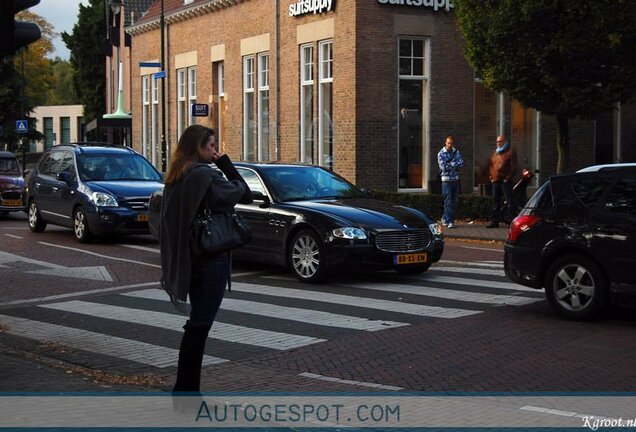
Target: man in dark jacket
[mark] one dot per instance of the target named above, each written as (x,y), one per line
(502,169)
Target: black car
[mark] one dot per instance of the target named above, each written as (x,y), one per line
(94,189)
(11,184)
(576,237)
(312,220)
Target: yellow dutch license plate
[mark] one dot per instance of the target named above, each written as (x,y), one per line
(410,258)
(12,203)
(142,217)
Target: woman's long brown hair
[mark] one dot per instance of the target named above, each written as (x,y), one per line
(188,151)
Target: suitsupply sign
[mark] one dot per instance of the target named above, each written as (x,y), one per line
(303,7)
(446,5)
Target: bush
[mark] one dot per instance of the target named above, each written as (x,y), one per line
(471,207)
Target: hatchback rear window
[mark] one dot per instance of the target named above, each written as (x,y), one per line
(9,166)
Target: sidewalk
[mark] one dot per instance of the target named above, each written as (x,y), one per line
(475,230)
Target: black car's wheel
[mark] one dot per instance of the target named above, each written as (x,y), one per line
(412,269)
(576,287)
(306,257)
(80,226)
(36,224)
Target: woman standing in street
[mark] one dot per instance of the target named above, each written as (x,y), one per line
(192,185)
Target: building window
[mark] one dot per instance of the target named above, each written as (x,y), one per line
(192,93)
(249,120)
(145,116)
(307,104)
(220,80)
(325,104)
(263,107)
(181,102)
(413,83)
(155,121)
(65,130)
(49,135)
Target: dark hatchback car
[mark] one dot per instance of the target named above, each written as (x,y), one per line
(311,220)
(94,189)
(11,184)
(576,237)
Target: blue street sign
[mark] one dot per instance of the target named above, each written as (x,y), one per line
(21,126)
(160,74)
(200,110)
(149,64)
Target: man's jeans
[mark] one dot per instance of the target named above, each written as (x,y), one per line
(450,191)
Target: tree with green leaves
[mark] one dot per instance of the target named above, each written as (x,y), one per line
(565,58)
(87,58)
(63,91)
(25,80)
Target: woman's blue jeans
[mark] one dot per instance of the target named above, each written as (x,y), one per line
(207,288)
(450,191)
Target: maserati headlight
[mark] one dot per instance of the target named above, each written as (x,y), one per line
(435,229)
(350,233)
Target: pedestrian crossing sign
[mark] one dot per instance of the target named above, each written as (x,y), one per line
(21,126)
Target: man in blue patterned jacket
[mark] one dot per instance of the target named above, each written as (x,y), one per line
(450,160)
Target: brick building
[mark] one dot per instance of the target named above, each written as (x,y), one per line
(369,88)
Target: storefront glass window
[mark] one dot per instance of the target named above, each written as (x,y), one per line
(325,104)
(412,114)
(524,138)
(307,104)
(487,113)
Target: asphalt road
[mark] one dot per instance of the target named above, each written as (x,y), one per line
(92,317)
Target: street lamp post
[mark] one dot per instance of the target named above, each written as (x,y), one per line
(162,24)
(115,7)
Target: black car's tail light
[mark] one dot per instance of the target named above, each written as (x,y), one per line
(521,224)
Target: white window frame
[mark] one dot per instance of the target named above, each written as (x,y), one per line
(192,93)
(425,78)
(220,74)
(325,76)
(181,102)
(262,143)
(145,113)
(306,87)
(248,93)
(155,120)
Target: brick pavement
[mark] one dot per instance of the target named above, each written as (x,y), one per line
(21,373)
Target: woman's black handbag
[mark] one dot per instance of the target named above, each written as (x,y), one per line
(215,233)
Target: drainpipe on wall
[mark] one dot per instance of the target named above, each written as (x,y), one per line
(277,48)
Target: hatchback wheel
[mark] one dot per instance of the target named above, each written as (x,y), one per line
(36,224)
(80,226)
(306,257)
(576,288)
(412,269)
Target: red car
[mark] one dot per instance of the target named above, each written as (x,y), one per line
(11,184)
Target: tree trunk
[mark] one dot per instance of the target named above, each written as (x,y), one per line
(563,144)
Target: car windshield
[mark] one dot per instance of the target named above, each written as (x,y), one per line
(290,183)
(98,167)
(9,166)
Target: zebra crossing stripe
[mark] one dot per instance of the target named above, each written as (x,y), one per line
(363,302)
(466,296)
(475,282)
(140,352)
(221,331)
(288,313)
(467,270)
